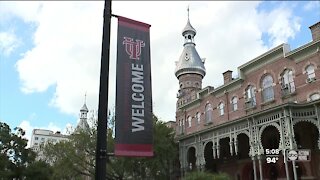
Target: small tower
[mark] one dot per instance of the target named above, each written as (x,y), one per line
(190,68)
(83,124)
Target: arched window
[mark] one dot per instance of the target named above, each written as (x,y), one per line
(310,73)
(267,88)
(250,97)
(234,103)
(198,118)
(189,121)
(208,113)
(314,96)
(287,82)
(221,108)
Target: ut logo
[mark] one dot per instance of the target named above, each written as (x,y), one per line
(133,49)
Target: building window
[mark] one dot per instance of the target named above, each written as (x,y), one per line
(198,118)
(189,121)
(221,108)
(180,127)
(314,97)
(208,113)
(250,97)
(288,86)
(42,139)
(267,88)
(234,103)
(310,73)
(36,138)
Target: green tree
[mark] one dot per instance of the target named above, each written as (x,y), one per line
(196,175)
(161,166)
(38,170)
(73,158)
(16,160)
(76,157)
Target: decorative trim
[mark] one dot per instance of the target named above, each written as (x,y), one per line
(243,132)
(296,121)
(276,125)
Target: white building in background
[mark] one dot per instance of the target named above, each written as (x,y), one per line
(42,136)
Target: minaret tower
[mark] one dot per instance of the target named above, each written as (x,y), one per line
(83,124)
(190,68)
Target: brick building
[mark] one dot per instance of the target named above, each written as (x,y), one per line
(274,104)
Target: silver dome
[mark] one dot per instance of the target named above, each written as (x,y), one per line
(84,108)
(190,62)
(189,29)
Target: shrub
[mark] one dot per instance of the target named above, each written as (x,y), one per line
(196,175)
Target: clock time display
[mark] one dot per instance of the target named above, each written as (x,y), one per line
(272,155)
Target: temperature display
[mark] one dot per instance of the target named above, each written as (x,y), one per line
(272,155)
(272,159)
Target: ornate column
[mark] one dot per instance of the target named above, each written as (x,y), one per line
(182,159)
(289,124)
(318,120)
(257,149)
(201,156)
(260,167)
(235,144)
(214,149)
(230,144)
(254,167)
(293,144)
(285,142)
(252,151)
(199,153)
(197,157)
(218,148)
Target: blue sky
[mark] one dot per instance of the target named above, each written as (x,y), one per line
(50,51)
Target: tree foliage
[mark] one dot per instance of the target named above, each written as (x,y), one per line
(76,157)
(16,160)
(196,175)
(73,158)
(161,166)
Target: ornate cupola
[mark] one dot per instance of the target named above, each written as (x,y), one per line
(190,68)
(83,124)
(189,61)
(84,111)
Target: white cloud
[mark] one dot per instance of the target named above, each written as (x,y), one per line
(280,24)
(8,42)
(68,38)
(28,11)
(312,5)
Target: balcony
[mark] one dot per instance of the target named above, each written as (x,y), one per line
(288,90)
(250,103)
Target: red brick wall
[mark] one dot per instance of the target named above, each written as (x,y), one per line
(303,91)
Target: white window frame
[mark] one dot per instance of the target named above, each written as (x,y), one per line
(208,113)
(198,118)
(221,108)
(234,103)
(267,88)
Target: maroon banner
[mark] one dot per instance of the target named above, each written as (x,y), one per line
(134,124)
